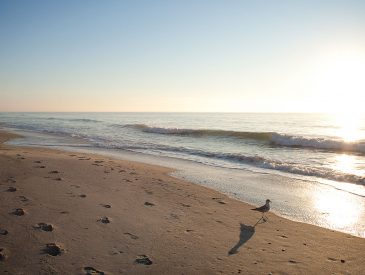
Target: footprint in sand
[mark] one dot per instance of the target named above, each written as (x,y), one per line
(132,236)
(82,196)
(219,200)
(149,203)
(40,166)
(11,189)
(23,198)
(53,172)
(143,259)
(335,260)
(11,180)
(20,157)
(58,179)
(44,226)
(104,220)
(84,158)
(106,205)
(293,262)
(3,232)
(53,249)
(37,161)
(174,216)
(18,212)
(92,271)
(3,255)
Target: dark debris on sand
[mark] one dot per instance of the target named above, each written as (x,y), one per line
(53,249)
(3,255)
(149,203)
(19,212)
(92,271)
(143,259)
(105,220)
(3,231)
(11,189)
(44,227)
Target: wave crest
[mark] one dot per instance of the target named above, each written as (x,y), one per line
(73,119)
(272,138)
(317,143)
(201,132)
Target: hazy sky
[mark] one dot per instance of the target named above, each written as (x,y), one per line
(232,56)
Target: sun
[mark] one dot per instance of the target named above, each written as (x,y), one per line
(339,81)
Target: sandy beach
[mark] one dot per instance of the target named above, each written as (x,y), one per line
(74,213)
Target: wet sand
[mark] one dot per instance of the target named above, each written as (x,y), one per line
(74,213)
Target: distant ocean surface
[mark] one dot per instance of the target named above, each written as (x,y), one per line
(324,147)
(312,166)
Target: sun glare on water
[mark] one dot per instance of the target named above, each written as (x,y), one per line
(349,126)
(338,209)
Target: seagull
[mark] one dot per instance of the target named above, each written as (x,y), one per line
(263,209)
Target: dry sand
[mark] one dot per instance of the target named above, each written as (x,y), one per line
(64,213)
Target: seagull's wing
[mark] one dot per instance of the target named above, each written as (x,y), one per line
(261,208)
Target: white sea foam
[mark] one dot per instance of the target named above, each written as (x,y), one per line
(318,143)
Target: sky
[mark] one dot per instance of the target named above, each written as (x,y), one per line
(183,56)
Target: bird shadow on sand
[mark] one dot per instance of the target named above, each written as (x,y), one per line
(246,233)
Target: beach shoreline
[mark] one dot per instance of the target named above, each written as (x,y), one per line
(304,200)
(181,227)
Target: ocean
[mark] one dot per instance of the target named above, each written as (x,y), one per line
(250,156)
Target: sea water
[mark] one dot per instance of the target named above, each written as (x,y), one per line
(312,166)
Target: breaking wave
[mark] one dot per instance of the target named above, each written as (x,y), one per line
(272,138)
(74,119)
